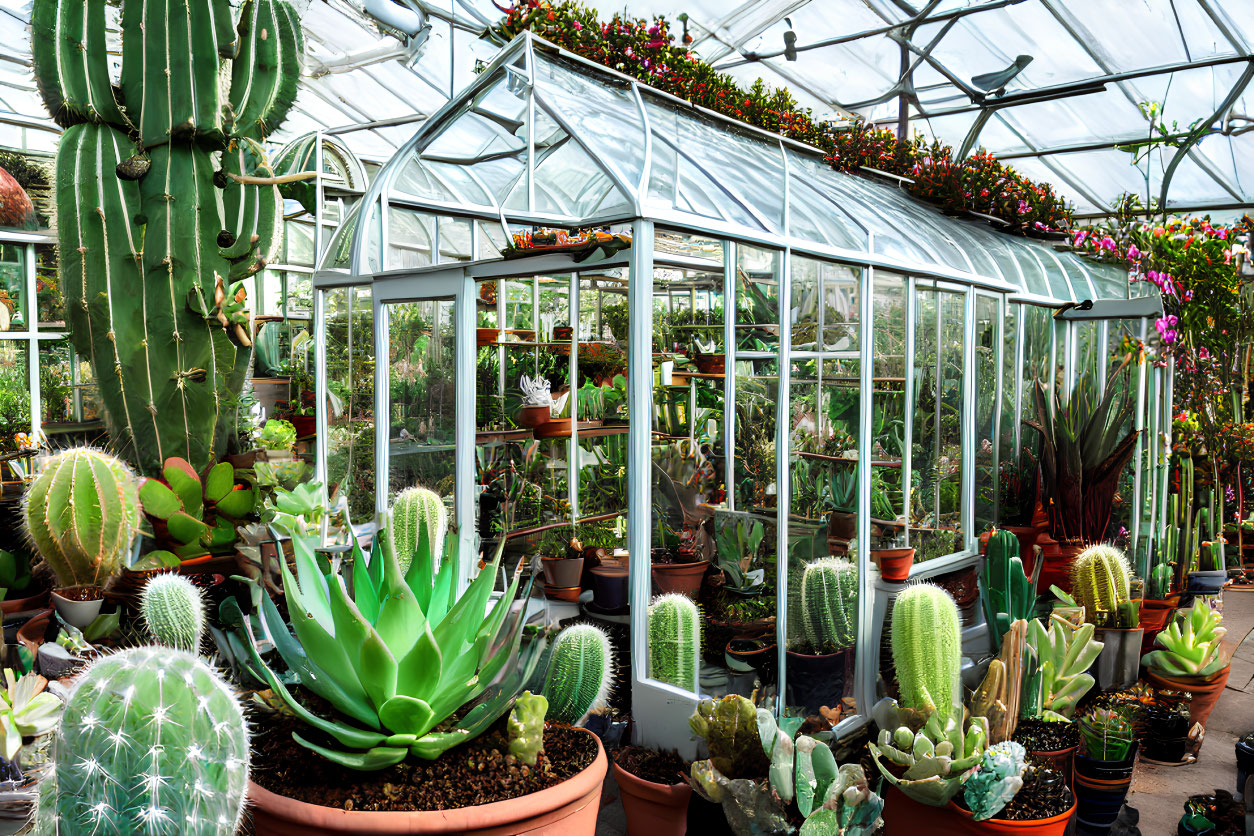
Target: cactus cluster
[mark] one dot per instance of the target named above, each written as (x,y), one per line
(580,675)
(996,780)
(1006,592)
(156,231)
(829,602)
(174,612)
(525,727)
(82,513)
(152,740)
(414,510)
(194,514)
(927,650)
(1100,582)
(674,640)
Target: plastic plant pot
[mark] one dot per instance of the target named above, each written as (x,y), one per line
(894,564)
(761,654)
(562,572)
(1100,789)
(653,809)
(817,681)
(1118,665)
(78,606)
(1245,762)
(684,578)
(609,587)
(1052,826)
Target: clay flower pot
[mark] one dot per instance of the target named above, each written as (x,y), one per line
(1155,615)
(533,415)
(563,593)
(1205,691)
(894,564)
(568,809)
(12,606)
(842,525)
(306,425)
(78,606)
(684,578)
(1057,558)
(485,336)
(653,809)
(1052,826)
(562,572)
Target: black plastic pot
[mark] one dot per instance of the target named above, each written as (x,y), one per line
(609,587)
(1245,763)
(760,654)
(1100,790)
(817,681)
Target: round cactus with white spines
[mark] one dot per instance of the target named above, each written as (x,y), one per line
(413,510)
(174,612)
(580,675)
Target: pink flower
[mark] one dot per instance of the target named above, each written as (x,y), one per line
(1203,353)
(578,26)
(1133,252)
(1107,243)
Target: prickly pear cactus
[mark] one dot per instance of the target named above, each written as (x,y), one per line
(829,600)
(82,512)
(674,640)
(414,509)
(526,727)
(927,650)
(163,204)
(579,675)
(152,741)
(174,612)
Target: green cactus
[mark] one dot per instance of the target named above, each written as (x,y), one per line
(580,674)
(526,727)
(193,514)
(82,513)
(1100,583)
(1160,582)
(152,740)
(174,612)
(730,728)
(927,650)
(674,640)
(1006,593)
(829,601)
(995,782)
(414,509)
(153,240)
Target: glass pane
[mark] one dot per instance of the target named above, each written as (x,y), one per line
(455,240)
(411,238)
(14,306)
(757,299)
(824,302)
(350,402)
(570,183)
(298,243)
(339,251)
(56,382)
(49,290)
(888,409)
(986,347)
(14,392)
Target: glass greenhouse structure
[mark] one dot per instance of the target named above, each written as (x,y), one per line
(776,334)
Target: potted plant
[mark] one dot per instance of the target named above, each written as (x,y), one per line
(674,641)
(840,496)
(676,569)
(390,712)
(1006,593)
(193,515)
(563,570)
(85,535)
(1103,767)
(486,332)
(1101,584)
(277,438)
(820,667)
(892,556)
(654,789)
(1191,659)
(1008,795)
(1158,605)
(17,593)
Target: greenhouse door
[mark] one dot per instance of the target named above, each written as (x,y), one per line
(424,379)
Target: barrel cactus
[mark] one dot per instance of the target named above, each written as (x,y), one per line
(580,675)
(1100,583)
(174,612)
(152,740)
(413,510)
(927,650)
(165,202)
(674,640)
(82,513)
(829,600)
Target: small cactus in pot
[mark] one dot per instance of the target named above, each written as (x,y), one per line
(580,675)
(674,640)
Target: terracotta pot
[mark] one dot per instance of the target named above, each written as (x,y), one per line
(609,587)
(534,415)
(563,333)
(894,564)
(1205,692)
(684,578)
(78,613)
(563,593)
(1155,615)
(562,572)
(903,816)
(12,606)
(1058,558)
(816,681)
(1027,536)
(1052,826)
(568,809)
(1061,761)
(32,633)
(653,809)
(1119,664)
(842,525)
(711,363)
(963,585)
(484,336)
(306,425)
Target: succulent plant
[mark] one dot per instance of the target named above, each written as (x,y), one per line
(927,650)
(829,601)
(525,727)
(1100,579)
(936,757)
(674,640)
(26,710)
(580,673)
(1107,734)
(82,513)
(174,612)
(194,514)
(277,436)
(997,699)
(996,780)
(413,509)
(152,740)
(155,232)
(1006,593)
(1065,654)
(536,391)
(1190,644)
(729,726)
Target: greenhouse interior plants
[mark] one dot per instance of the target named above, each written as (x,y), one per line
(797,418)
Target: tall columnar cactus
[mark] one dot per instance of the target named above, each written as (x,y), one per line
(414,509)
(580,675)
(1100,583)
(927,650)
(829,600)
(82,512)
(152,741)
(674,640)
(174,612)
(164,203)
(1006,593)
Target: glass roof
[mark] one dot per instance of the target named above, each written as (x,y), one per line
(581,145)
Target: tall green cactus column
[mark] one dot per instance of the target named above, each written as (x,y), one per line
(164,204)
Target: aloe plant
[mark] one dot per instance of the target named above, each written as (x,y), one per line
(1190,644)
(1065,653)
(736,543)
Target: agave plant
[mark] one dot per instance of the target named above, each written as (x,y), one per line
(1083,453)
(399,655)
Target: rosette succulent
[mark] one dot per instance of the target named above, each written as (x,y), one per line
(1190,644)
(936,757)
(996,780)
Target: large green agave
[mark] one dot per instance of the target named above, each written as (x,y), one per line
(399,655)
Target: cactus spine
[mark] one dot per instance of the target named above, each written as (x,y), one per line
(829,597)
(927,650)
(152,741)
(82,512)
(1099,581)
(414,509)
(174,612)
(674,640)
(151,236)
(579,676)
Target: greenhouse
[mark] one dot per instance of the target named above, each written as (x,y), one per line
(535,420)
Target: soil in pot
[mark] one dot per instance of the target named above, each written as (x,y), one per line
(1050,745)
(1044,795)
(817,681)
(651,765)
(478,772)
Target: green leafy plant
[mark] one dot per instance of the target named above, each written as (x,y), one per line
(525,727)
(839,490)
(1100,578)
(580,673)
(194,514)
(829,604)
(1190,644)
(674,640)
(1107,734)
(736,543)
(298,510)
(1159,582)
(173,611)
(1065,654)
(927,650)
(277,436)
(994,783)
(399,657)
(26,710)
(14,574)
(1006,593)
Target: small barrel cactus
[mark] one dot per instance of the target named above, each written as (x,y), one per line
(927,650)
(414,509)
(829,600)
(1100,583)
(580,676)
(174,612)
(526,727)
(82,512)
(674,640)
(152,741)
